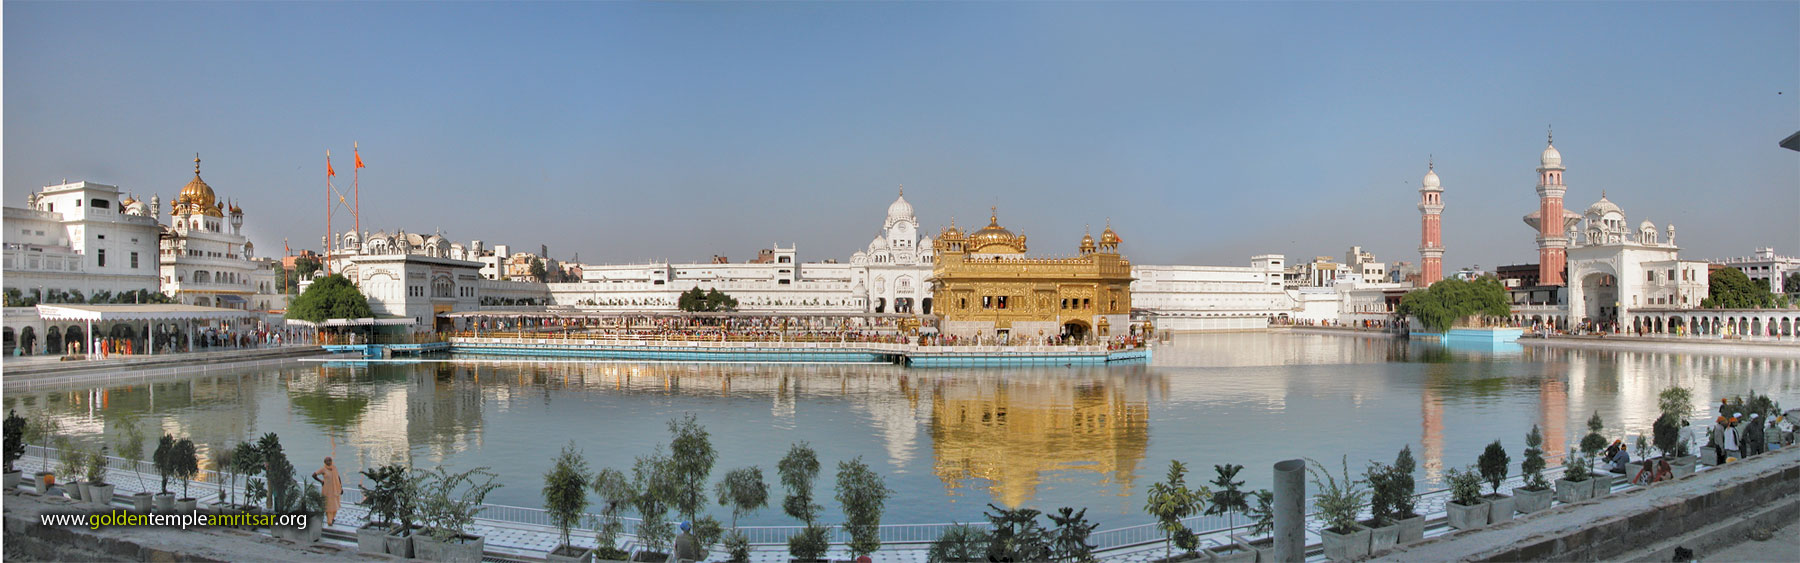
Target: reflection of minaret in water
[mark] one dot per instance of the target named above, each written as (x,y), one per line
(1432,420)
(1553,401)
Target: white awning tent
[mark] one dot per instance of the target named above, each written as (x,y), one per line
(399,321)
(159,312)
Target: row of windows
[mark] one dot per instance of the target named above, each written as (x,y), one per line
(101,255)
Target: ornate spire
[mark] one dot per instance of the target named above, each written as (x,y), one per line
(1430,162)
(1550,135)
(196,164)
(902,190)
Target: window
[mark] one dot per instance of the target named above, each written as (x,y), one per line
(134,261)
(987,301)
(102,237)
(100,204)
(1002,301)
(102,255)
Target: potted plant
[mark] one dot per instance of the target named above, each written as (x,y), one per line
(222,463)
(69,462)
(164,461)
(1338,502)
(1170,501)
(247,462)
(1384,528)
(1068,543)
(1493,465)
(384,490)
(186,464)
(1534,495)
(39,431)
(1600,481)
(15,449)
(862,493)
(1016,535)
(617,494)
(1574,485)
(743,490)
(130,443)
(1676,403)
(798,469)
(1466,510)
(283,491)
(1640,457)
(565,499)
(1228,500)
(450,503)
(99,491)
(960,543)
(1412,524)
(311,502)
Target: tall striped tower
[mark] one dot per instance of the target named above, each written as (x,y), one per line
(1431,243)
(1553,238)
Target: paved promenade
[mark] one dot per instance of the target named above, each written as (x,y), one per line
(28,372)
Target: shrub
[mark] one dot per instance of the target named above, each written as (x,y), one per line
(1576,467)
(15,438)
(1493,463)
(737,545)
(164,460)
(1262,512)
(1338,500)
(1403,481)
(283,491)
(247,462)
(691,458)
(130,443)
(186,464)
(616,493)
(809,544)
(1172,500)
(744,490)
(1533,466)
(95,464)
(385,490)
(1678,401)
(1465,486)
(960,543)
(1382,492)
(654,482)
(798,469)
(450,501)
(1667,431)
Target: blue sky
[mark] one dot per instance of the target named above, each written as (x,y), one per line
(1207,132)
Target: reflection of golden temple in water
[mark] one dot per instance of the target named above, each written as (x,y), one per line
(1011,432)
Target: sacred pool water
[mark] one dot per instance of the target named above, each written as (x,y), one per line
(949,441)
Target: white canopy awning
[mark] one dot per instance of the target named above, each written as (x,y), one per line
(147,312)
(401,321)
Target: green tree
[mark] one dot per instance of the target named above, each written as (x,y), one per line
(718,301)
(691,457)
(304,267)
(1228,499)
(330,297)
(1729,288)
(1791,285)
(538,271)
(1533,466)
(744,490)
(798,469)
(1492,464)
(1172,500)
(1449,301)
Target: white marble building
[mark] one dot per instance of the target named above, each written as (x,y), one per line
(1614,269)
(1213,298)
(206,261)
(1765,266)
(81,237)
(408,274)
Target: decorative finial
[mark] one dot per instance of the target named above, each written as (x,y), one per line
(1087,228)
(196,164)
(994,214)
(1430,162)
(902,190)
(1549,135)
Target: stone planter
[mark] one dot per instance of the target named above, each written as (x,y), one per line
(1683,466)
(1570,492)
(461,549)
(370,538)
(1348,546)
(1500,508)
(186,505)
(1237,551)
(1382,538)
(1710,454)
(140,502)
(315,528)
(76,490)
(13,478)
(1632,469)
(45,480)
(1603,483)
(569,554)
(1411,530)
(164,502)
(1527,501)
(101,494)
(399,542)
(1466,517)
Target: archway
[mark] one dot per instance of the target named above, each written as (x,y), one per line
(74,334)
(1600,297)
(1787,327)
(1756,326)
(1075,330)
(11,341)
(28,338)
(925,306)
(53,341)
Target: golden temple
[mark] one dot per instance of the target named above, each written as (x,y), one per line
(985,287)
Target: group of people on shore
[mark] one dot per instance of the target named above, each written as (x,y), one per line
(1735,436)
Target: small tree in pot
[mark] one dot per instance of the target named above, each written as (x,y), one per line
(1466,510)
(186,462)
(1338,501)
(1068,543)
(1229,500)
(743,490)
(655,484)
(797,470)
(99,491)
(15,448)
(1574,486)
(449,504)
(1170,501)
(70,460)
(130,443)
(616,493)
(1535,494)
(384,491)
(1493,465)
(862,493)
(247,464)
(40,430)
(164,461)
(565,498)
(1016,535)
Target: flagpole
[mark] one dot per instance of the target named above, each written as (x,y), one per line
(356,185)
(329,191)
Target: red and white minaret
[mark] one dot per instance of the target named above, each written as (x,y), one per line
(1553,238)
(1431,243)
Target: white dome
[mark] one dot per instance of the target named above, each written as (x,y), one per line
(1646,226)
(877,244)
(900,209)
(1602,207)
(1551,158)
(1431,179)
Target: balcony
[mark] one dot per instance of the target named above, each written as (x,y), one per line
(34,261)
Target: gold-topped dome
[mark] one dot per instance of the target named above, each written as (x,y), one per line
(1108,237)
(197,197)
(995,238)
(1087,243)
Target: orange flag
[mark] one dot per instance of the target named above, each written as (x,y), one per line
(328,170)
(358,159)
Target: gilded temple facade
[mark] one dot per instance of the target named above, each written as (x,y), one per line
(985,286)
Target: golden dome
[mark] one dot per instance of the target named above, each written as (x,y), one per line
(1087,243)
(197,197)
(1110,237)
(994,235)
